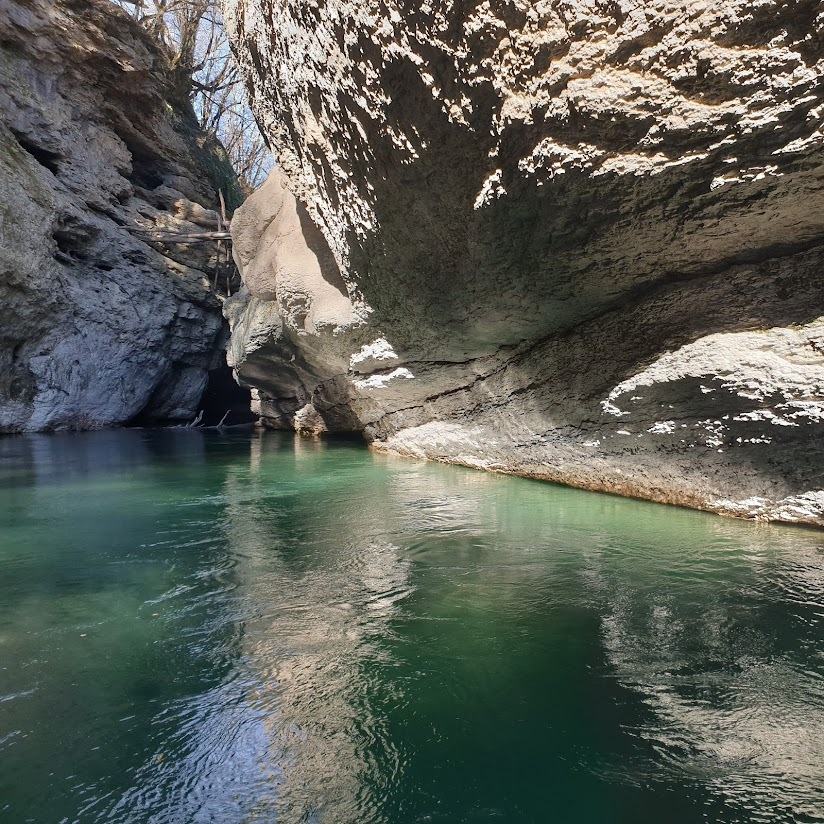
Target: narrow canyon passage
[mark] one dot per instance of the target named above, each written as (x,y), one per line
(373,379)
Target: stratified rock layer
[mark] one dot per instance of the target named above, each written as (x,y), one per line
(97,325)
(579,241)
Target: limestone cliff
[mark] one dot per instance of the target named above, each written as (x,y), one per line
(580,241)
(98,325)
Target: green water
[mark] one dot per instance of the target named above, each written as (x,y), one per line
(249,628)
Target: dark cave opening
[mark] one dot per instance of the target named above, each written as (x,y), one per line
(223,395)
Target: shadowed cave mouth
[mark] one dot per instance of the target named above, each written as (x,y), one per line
(222,400)
(222,395)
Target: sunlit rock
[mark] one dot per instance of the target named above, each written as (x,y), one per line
(590,233)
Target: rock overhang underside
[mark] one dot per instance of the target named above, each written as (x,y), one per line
(574,241)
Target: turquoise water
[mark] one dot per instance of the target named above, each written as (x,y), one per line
(249,628)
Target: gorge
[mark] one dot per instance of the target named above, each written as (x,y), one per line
(579,241)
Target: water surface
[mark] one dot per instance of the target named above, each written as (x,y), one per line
(252,628)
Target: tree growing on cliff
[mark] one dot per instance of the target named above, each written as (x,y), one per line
(192,35)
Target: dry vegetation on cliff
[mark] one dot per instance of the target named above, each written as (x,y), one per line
(191,35)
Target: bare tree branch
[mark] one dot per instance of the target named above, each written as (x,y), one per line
(192,35)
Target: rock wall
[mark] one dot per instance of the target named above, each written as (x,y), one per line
(579,241)
(98,325)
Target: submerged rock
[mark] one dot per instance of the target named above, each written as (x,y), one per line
(574,241)
(97,324)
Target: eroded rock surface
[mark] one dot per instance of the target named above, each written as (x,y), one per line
(580,241)
(97,325)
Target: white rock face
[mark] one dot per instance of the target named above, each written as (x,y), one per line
(97,325)
(580,241)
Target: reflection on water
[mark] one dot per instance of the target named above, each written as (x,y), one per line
(252,628)
(734,675)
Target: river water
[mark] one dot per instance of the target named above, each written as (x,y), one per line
(251,628)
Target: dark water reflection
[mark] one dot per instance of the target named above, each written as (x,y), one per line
(196,628)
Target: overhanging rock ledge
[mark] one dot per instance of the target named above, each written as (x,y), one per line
(579,241)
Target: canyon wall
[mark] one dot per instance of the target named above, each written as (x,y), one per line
(577,241)
(98,323)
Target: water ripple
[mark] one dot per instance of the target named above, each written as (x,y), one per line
(270,630)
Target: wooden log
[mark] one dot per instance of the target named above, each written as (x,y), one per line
(181,237)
